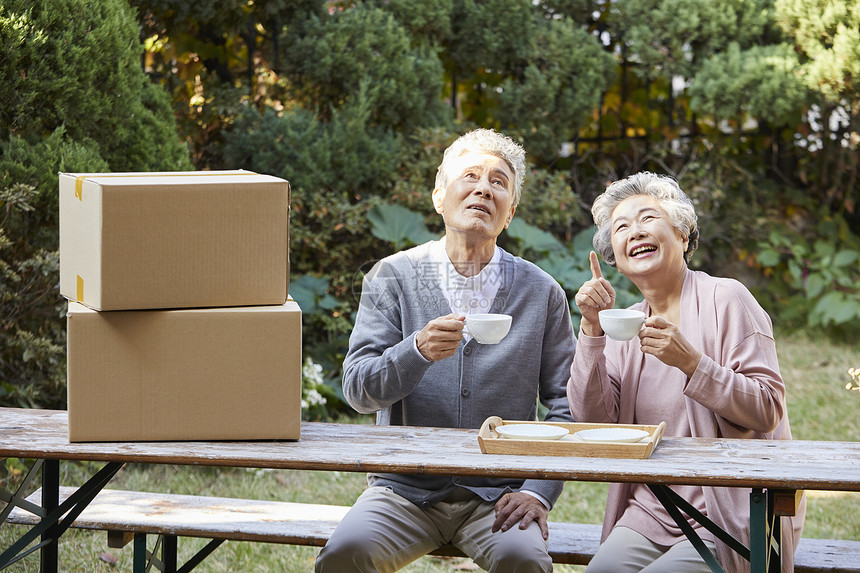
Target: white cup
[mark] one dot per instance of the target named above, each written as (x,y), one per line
(488,328)
(620,323)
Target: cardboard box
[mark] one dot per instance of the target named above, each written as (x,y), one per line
(190,374)
(174,240)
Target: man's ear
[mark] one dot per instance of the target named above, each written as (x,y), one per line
(438,197)
(510,216)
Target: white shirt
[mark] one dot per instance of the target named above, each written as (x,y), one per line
(468,295)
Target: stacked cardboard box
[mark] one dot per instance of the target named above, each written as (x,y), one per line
(179,323)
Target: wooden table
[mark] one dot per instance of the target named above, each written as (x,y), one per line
(764,466)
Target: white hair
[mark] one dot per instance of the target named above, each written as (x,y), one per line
(487,141)
(668,194)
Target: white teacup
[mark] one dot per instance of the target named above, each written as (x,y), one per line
(488,328)
(621,323)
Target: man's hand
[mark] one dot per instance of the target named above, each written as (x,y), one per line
(522,507)
(593,296)
(441,337)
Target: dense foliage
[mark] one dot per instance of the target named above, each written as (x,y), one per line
(753,105)
(74,99)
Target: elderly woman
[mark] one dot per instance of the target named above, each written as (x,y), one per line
(705,363)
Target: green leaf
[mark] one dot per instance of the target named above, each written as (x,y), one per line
(533,238)
(583,241)
(327,302)
(815,283)
(398,225)
(843,311)
(777,239)
(796,270)
(799,250)
(845,257)
(849,282)
(564,269)
(774,237)
(824,248)
(832,308)
(768,258)
(311,294)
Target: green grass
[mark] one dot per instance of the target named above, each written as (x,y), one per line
(815,370)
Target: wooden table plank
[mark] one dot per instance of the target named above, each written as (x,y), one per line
(814,465)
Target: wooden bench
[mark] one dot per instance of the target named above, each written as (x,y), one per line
(127,515)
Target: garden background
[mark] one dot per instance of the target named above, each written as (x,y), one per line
(753,105)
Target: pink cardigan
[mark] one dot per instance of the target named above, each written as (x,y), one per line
(736,392)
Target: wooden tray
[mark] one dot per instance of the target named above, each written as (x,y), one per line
(492,443)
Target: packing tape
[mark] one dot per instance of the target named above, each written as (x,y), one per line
(79,181)
(80,289)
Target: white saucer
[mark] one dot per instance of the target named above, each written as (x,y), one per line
(531,432)
(612,435)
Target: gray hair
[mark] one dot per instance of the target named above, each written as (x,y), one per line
(668,194)
(494,143)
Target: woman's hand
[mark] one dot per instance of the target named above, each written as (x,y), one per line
(664,340)
(593,296)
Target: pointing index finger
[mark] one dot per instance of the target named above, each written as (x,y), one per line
(595,266)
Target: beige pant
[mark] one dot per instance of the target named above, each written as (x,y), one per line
(384,532)
(626,551)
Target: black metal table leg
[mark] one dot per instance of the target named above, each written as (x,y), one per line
(664,496)
(56,521)
(50,501)
(168,553)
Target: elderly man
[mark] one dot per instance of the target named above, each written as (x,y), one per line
(411,362)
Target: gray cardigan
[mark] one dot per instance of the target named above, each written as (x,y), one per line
(383,372)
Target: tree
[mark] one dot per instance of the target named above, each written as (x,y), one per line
(66,108)
(55,73)
(761,104)
(826,34)
(556,86)
(759,82)
(751,104)
(332,59)
(670,38)
(215,57)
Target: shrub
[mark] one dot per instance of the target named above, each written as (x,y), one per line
(55,73)
(32,329)
(66,108)
(332,59)
(815,280)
